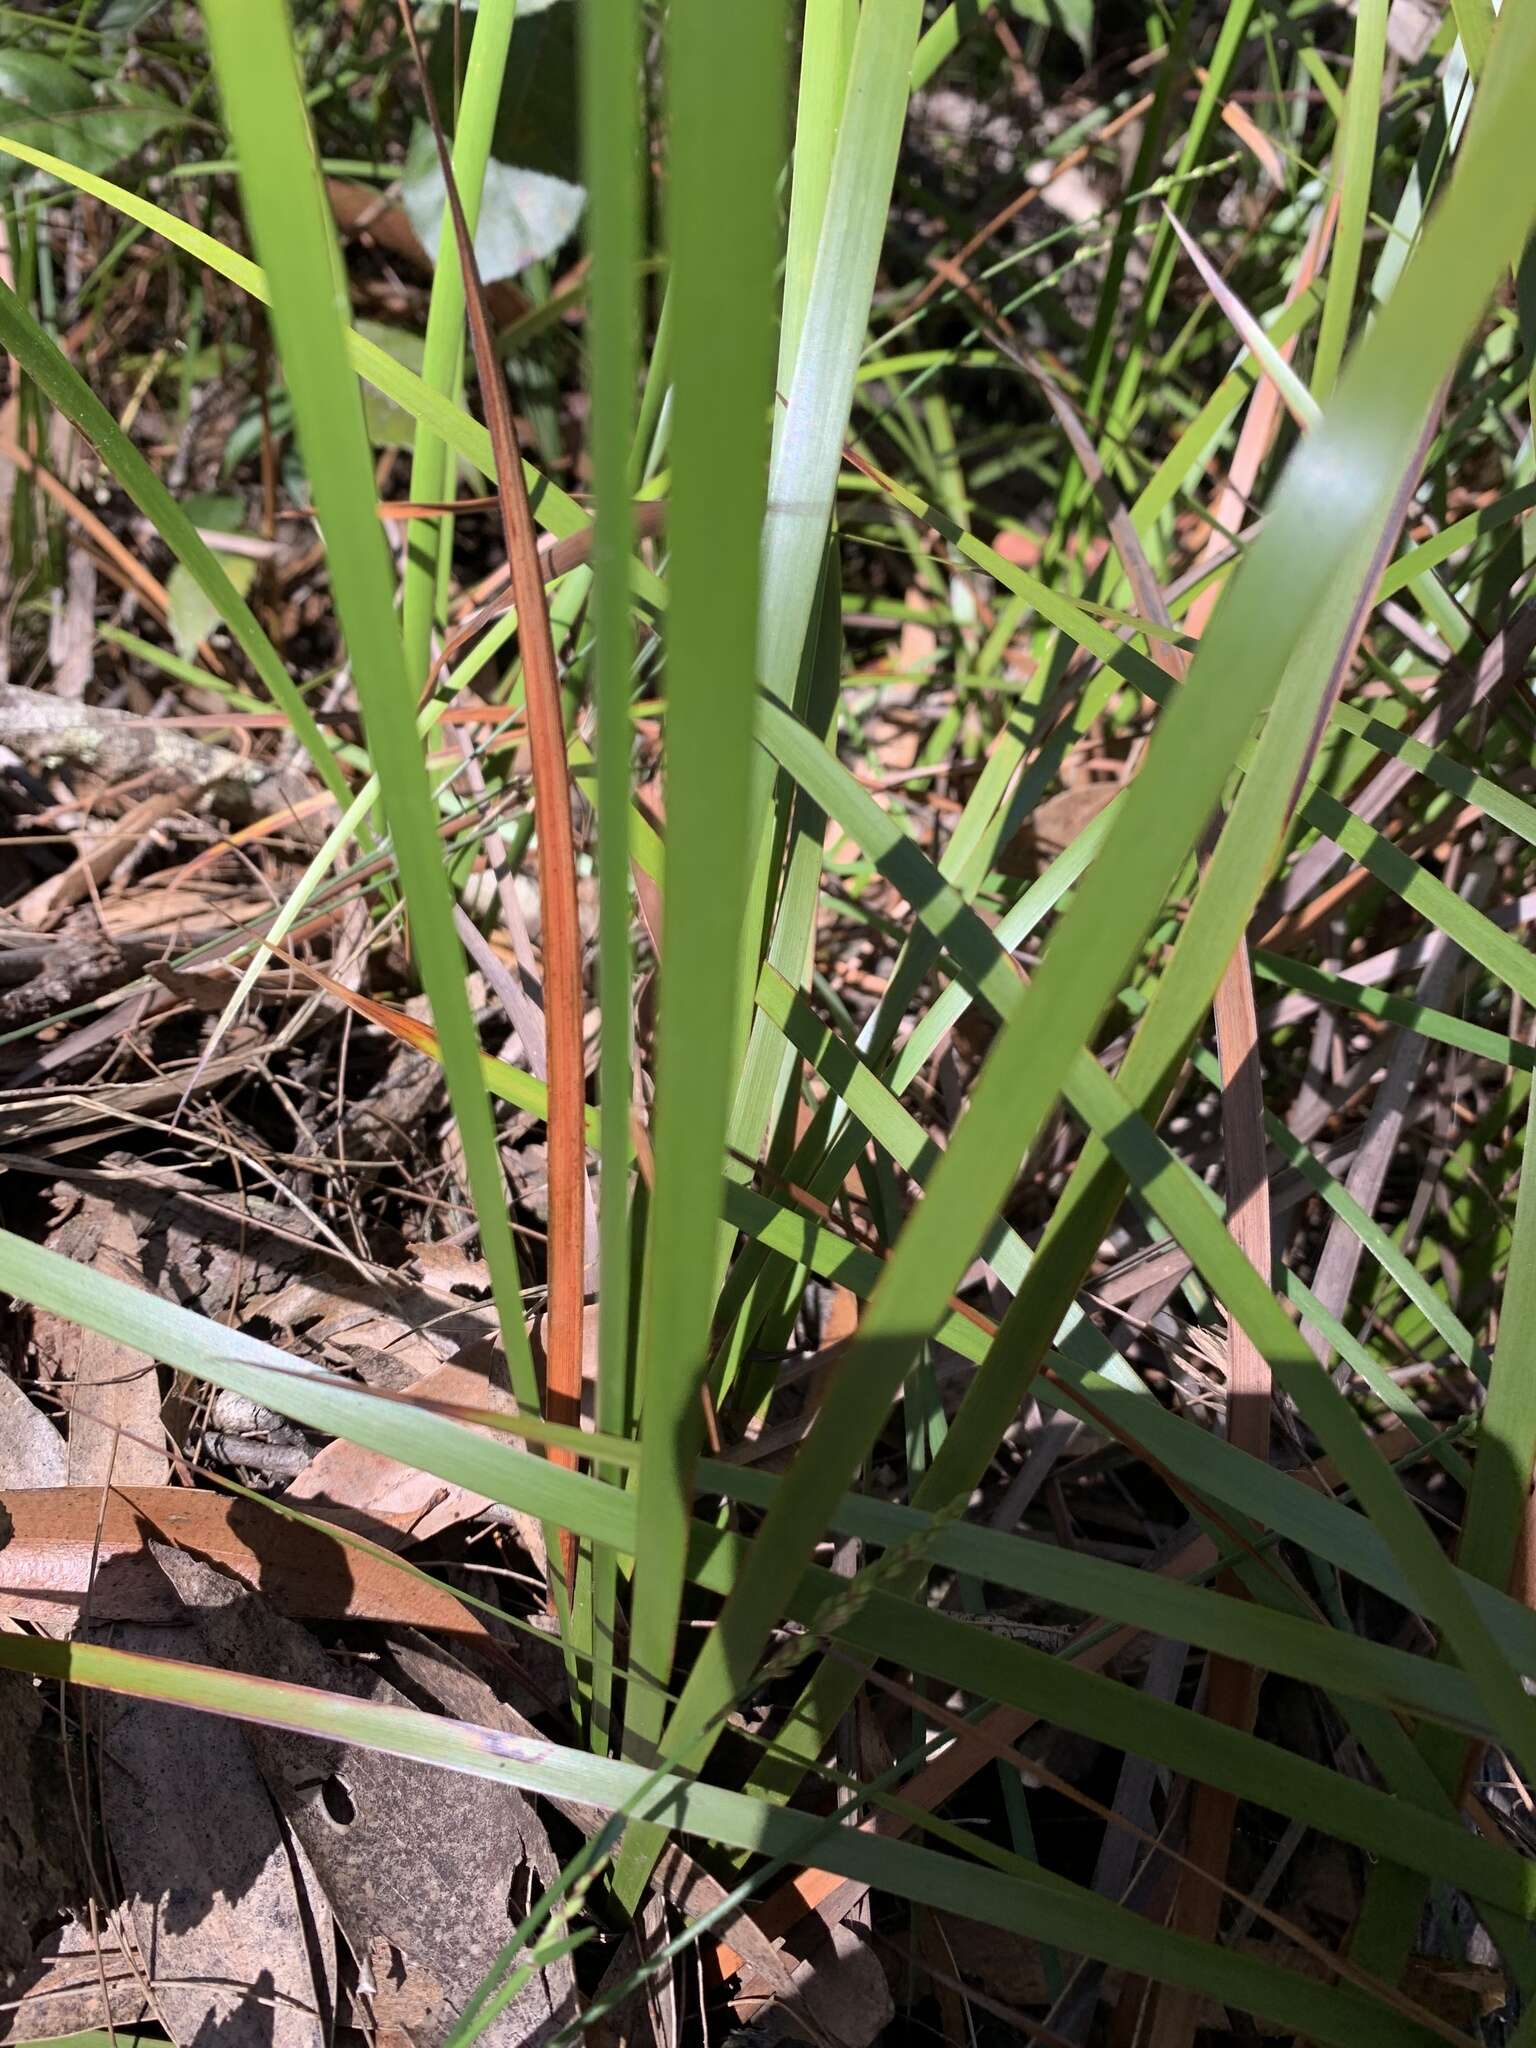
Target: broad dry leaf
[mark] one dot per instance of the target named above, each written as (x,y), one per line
(348,1475)
(113,1393)
(843,1989)
(101,851)
(39,1862)
(72,1986)
(210,1881)
(1052,826)
(647,2011)
(175,913)
(67,1542)
(32,1453)
(422,1868)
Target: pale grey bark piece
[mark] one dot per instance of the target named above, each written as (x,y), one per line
(42,731)
(72,1987)
(424,1869)
(216,1899)
(32,1452)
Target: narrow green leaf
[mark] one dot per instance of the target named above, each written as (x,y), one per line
(253,49)
(433,465)
(725,96)
(555,510)
(943,1647)
(610,67)
(1355,164)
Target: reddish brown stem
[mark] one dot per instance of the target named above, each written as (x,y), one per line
(556,848)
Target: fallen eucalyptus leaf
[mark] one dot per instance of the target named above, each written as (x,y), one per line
(193,616)
(524,216)
(212,1888)
(427,1875)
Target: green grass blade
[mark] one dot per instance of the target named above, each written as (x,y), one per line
(941,1647)
(610,59)
(942,39)
(826,51)
(1349,469)
(1180,1201)
(433,465)
(290,222)
(1353,173)
(1048,1909)
(452,1451)
(808,443)
(555,510)
(1475,25)
(726,103)
(1337,989)
(1507,1439)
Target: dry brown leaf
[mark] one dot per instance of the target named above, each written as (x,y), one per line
(60,1992)
(450,1267)
(362,210)
(113,1393)
(64,1540)
(918,642)
(38,1859)
(1053,825)
(352,1335)
(426,1862)
(175,913)
(840,1998)
(211,1886)
(32,1453)
(1411,26)
(648,2011)
(347,1475)
(1000,1963)
(100,853)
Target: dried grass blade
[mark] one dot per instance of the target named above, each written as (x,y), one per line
(557,853)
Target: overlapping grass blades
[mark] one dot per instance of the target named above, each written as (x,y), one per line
(752,595)
(1333,498)
(1048,1909)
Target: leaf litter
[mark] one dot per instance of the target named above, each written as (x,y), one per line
(420,1869)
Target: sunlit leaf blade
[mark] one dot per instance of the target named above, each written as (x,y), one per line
(286,206)
(725,72)
(995,1667)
